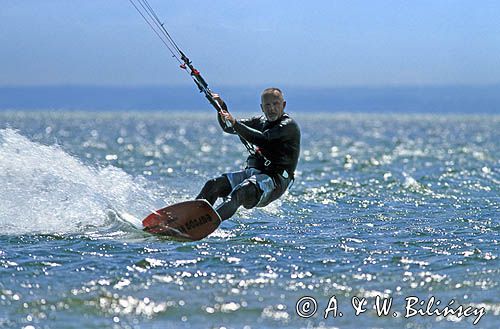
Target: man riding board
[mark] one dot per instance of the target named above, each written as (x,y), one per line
(270,169)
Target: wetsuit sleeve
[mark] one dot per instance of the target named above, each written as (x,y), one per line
(279,132)
(230,130)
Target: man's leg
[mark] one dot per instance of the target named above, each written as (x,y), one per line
(246,194)
(215,188)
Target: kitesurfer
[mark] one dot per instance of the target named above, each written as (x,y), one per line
(270,169)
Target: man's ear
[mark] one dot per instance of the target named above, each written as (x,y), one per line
(262,107)
(284,104)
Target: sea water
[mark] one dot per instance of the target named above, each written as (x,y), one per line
(386,208)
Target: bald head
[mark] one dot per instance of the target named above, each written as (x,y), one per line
(272,103)
(273,91)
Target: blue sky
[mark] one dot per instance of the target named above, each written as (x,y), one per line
(294,43)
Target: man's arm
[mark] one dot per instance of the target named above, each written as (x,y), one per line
(259,138)
(223,122)
(224,126)
(226,120)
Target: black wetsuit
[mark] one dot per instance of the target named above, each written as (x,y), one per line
(277,141)
(278,145)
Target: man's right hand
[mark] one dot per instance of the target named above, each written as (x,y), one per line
(224,113)
(226,116)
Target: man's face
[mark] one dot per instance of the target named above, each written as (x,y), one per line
(272,105)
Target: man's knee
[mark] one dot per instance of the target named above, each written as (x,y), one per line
(215,188)
(247,193)
(218,185)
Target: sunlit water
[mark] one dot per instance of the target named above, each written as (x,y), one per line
(390,206)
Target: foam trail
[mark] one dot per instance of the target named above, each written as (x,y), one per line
(45,190)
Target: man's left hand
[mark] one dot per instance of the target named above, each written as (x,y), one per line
(227,116)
